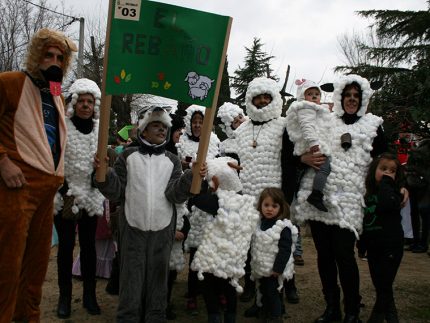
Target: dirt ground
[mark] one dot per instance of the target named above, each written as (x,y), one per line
(412,293)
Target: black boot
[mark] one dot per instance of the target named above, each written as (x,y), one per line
(229,317)
(89,300)
(214,318)
(316,199)
(249,290)
(351,318)
(391,313)
(376,316)
(253,311)
(332,311)
(64,306)
(112,286)
(291,291)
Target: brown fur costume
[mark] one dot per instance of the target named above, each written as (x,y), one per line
(26,213)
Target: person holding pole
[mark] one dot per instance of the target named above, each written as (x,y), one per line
(148,181)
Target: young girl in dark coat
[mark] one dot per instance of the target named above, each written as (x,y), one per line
(383,233)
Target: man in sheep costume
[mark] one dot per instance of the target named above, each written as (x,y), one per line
(32,142)
(309,124)
(84,202)
(264,149)
(148,181)
(223,250)
(335,232)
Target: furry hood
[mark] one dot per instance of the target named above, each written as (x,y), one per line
(261,85)
(227,112)
(340,85)
(302,86)
(155,114)
(84,86)
(190,112)
(40,42)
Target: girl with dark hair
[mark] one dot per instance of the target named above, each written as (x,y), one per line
(383,233)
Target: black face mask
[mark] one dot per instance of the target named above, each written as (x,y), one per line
(53,74)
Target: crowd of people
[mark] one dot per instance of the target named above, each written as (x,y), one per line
(329,168)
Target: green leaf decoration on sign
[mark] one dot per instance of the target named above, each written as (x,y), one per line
(128,78)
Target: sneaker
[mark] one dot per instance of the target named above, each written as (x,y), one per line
(298,260)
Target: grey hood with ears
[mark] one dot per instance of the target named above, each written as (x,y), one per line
(340,85)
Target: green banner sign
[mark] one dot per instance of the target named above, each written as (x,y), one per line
(165,50)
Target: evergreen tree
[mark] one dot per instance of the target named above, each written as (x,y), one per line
(404,67)
(257,63)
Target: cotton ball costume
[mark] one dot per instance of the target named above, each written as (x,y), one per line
(226,240)
(177,257)
(79,154)
(345,187)
(264,249)
(262,164)
(318,117)
(188,147)
(227,112)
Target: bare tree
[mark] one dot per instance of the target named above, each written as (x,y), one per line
(19,19)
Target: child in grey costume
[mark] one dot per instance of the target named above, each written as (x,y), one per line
(148,181)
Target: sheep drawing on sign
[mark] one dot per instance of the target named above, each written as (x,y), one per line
(199,85)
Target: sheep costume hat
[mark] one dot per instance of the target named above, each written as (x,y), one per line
(262,85)
(84,86)
(227,112)
(302,86)
(345,187)
(226,240)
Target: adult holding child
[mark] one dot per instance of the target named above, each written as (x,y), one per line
(335,232)
(82,202)
(32,141)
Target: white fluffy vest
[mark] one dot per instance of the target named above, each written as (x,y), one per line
(187,147)
(177,258)
(198,222)
(78,166)
(262,164)
(343,193)
(265,248)
(226,240)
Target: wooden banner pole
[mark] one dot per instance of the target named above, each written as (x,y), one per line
(105,106)
(209,119)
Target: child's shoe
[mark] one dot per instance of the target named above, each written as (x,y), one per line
(316,199)
(192,306)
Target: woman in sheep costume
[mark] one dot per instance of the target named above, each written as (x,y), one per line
(221,256)
(189,142)
(309,124)
(335,232)
(82,133)
(229,117)
(273,244)
(187,147)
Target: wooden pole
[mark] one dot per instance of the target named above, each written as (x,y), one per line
(105,106)
(209,119)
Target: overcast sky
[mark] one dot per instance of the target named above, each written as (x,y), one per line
(301,33)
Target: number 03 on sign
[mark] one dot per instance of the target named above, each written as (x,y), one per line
(127,9)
